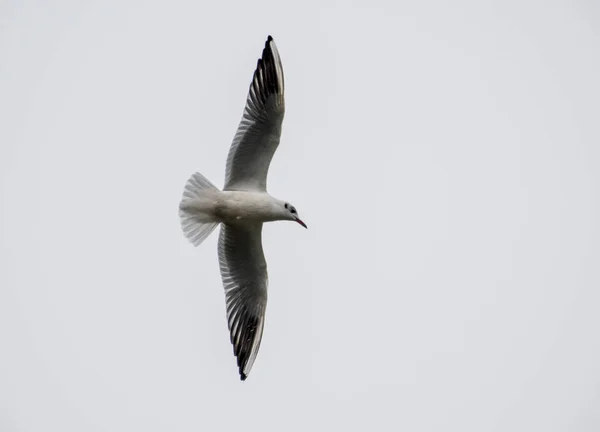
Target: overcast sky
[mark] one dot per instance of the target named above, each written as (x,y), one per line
(445,158)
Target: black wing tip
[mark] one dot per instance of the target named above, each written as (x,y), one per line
(268,51)
(243,350)
(269,83)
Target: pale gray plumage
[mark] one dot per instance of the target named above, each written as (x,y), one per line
(242,207)
(244,274)
(259,131)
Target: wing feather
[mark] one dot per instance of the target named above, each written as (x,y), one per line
(244,275)
(259,130)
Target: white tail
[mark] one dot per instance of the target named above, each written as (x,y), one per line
(194,228)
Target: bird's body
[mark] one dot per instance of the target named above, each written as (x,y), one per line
(242,208)
(236,207)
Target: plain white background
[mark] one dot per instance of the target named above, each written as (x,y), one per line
(444,155)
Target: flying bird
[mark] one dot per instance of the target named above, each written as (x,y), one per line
(242,207)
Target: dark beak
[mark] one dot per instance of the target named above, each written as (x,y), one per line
(301,223)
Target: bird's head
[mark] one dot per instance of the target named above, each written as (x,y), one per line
(292,214)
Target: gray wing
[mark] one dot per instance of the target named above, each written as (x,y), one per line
(258,134)
(244,274)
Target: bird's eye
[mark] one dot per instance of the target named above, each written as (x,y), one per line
(286,205)
(293,210)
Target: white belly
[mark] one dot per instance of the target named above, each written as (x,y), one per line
(239,207)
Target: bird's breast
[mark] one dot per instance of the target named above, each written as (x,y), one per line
(238,207)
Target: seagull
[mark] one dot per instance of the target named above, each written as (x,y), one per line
(242,207)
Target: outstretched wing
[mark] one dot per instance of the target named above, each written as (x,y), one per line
(244,274)
(258,134)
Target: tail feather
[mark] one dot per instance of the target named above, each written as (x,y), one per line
(194,228)
(195,185)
